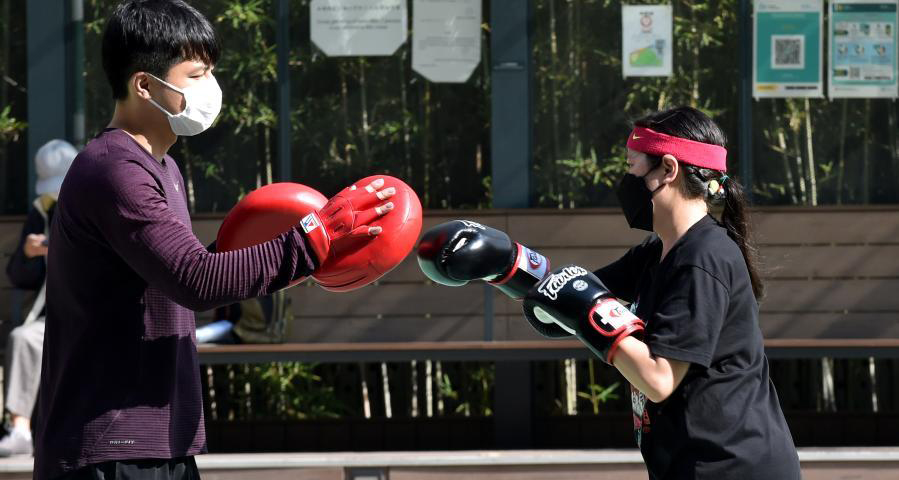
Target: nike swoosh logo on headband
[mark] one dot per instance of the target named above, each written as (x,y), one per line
(636,137)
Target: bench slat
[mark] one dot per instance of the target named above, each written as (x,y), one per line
(831,261)
(783,295)
(823,225)
(805,261)
(832,295)
(397,299)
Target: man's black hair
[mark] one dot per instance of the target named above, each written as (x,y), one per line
(152,36)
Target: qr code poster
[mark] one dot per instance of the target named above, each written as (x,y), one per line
(863,49)
(788,48)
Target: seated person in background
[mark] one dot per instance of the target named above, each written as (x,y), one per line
(255,320)
(27,269)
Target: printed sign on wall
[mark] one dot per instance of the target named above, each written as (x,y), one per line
(863,49)
(446,42)
(788,48)
(358,27)
(646,41)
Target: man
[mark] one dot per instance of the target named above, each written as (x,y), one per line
(120,386)
(27,270)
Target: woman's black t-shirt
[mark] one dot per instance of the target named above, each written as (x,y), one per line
(724,420)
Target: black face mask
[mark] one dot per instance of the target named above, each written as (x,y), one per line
(636,201)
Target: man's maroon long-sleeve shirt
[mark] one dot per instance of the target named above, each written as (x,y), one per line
(120,377)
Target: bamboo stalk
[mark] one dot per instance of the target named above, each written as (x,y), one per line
(827,391)
(594,398)
(866,157)
(810,156)
(247,391)
(429,389)
(785,157)
(267,136)
(404,105)
(259,166)
(574,98)
(794,126)
(872,374)
(555,187)
(213,404)
(694,96)
(439,374)
(414,411)
(188,162)
(345,118)
(366,128)
(385,384)
(570,387)
(231,392)
(281,408)
(366,403)
(841,159)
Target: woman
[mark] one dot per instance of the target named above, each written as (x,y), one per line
(704,406)
(27,270)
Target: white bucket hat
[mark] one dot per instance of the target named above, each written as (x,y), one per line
(52,162)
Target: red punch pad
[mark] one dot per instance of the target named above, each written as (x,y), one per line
(363,260)
(266,213)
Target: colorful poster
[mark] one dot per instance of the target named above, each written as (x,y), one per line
(788,48)
(646,40)
(357,27)
(446,42)
(863,49)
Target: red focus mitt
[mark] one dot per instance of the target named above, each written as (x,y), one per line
(352,239)
(266,213)
(356,237)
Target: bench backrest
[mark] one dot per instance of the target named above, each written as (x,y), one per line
(830,273)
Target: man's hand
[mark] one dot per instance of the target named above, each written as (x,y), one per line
(35,245)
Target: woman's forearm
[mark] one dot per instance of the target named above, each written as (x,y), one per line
(656,377)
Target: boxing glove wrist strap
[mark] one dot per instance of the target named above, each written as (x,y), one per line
(610,323)
(528,268)
(317,238)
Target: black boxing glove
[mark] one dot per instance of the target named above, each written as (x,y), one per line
(575,300)
(457,252)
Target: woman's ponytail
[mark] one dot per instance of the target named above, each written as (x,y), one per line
(736,220)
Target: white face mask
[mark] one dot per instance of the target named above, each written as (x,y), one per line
(203,102)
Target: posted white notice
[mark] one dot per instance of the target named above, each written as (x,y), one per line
(446,39)
(358,27)
(646,41)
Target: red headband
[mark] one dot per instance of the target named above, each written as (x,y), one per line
(704,155)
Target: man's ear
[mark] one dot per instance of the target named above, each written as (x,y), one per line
(671,167)
(140,85)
